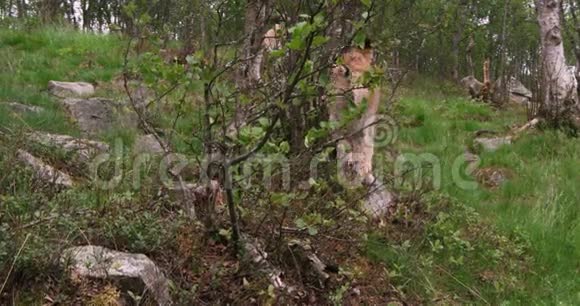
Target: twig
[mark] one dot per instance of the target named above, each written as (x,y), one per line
(146,126)
(163,95)
(473,291)
(258,147)
(334,141)
(14,263)
(35,223)
(525,127)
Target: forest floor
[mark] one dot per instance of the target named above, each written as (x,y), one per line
(513,242)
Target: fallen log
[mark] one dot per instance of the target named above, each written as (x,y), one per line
(306,261)
(254,254)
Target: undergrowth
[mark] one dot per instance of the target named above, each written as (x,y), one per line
(517,243)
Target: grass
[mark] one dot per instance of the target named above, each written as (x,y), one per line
(515,244)
(31,59)
(539,203)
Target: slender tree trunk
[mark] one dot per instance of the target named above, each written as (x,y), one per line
(248,74)
(469,56)
(576,39)
(86,14)
(21,7)
(47,10)
(10,4)
(503,96)
(71,13)
(202,27)
(462,17)
(486,91)
(558,84)
(255,18)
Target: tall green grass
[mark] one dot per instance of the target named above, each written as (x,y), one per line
(32,58)
(537,209)
(540,201)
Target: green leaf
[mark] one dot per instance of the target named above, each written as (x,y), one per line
(225,233)
(277,53)
(359,40)
(312,231)
(296,44)
(284,147)
(319,41)
(300,223)
(264,122)
(367,3)
(281,199)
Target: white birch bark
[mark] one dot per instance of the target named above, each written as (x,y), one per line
(559,84)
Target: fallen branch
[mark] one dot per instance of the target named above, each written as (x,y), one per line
(305,259)
(254,254)
(515,133)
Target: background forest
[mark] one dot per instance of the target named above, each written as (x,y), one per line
(430,36)
(192,160)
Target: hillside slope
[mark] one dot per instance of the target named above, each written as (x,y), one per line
(512,241)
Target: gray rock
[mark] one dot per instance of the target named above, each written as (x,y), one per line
(379,200)
(519,100)
(470,157)
(84,148)
(99,262)
(492,144)
(147,144)
(23,108)
(518,93)
(71,89)
(44,171)
(472,86)
(199,201)
(140,93)
(96,115)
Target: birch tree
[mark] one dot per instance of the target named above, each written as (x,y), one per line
(559,96)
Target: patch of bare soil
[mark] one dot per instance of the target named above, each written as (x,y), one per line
(493,177)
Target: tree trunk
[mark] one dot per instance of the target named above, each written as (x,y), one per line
(21,7)
(469,56)
(248,74)
(85,6)
(255,18)
(203,42)
(461,15)
(49,10)
(576,39)
(10,4)
(71,13)
(486,91)
(559,94)
(503,97)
